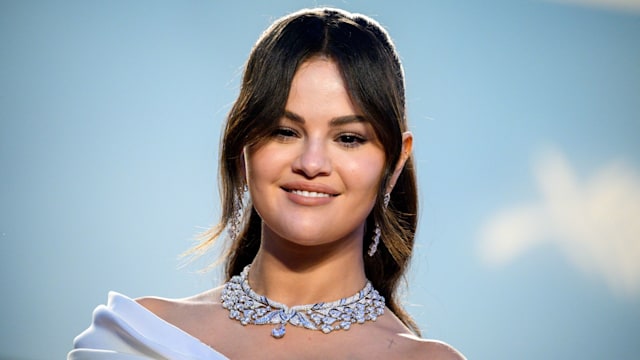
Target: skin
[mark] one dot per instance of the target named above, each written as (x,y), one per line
(313,244)
(311,247)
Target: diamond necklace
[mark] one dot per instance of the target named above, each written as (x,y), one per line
(248,307)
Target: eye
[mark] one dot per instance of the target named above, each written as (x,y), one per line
(351,140)
(284,133)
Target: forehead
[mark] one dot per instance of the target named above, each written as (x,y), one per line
(319,90)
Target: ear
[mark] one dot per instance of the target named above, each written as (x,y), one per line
(407,147)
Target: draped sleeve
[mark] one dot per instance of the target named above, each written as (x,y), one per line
(125,330)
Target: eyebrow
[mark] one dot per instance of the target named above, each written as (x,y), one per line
(336,121)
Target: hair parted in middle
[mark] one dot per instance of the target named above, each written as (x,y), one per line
(373,74)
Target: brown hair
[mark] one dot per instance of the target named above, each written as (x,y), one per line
(374,78)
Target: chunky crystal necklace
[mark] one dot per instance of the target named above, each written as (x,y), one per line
(248,307)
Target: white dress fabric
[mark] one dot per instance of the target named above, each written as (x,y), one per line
(126,330)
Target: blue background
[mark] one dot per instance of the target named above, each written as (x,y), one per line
(110,118)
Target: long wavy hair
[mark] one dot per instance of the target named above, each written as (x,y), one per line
(374,77)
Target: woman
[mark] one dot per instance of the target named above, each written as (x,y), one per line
(319,201)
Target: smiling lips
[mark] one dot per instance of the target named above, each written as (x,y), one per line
(311,192)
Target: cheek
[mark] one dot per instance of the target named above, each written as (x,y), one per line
(366,172)
(261,164)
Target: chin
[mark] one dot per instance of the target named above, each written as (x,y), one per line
(313,239)
(307,239)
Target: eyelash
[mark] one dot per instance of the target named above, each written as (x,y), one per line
(349,140)
(284,132)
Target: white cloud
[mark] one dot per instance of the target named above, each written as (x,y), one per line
(595,223)
(632,6)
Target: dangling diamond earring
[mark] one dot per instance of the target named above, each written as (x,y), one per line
(376,232)
(235,224)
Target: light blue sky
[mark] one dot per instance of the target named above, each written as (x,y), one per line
(526,115)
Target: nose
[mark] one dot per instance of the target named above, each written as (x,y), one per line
(313,159)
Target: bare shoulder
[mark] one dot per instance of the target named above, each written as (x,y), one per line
(402,343)
(178,310)
(160,304)
(418,348)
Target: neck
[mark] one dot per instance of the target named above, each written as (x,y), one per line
(296,275)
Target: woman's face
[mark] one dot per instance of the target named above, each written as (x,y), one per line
(315,180)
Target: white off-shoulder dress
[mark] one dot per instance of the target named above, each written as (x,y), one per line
(125,330)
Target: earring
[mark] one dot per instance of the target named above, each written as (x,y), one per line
(235,223)
(376,232)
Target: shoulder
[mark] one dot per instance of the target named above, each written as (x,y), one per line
(123,328)
(177,311)
(155,303)
(417,348)
(402,343)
